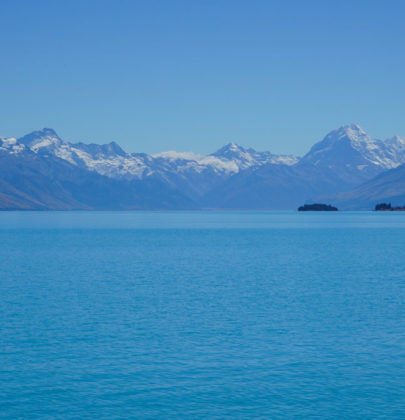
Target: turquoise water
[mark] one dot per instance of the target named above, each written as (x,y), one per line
(197,315)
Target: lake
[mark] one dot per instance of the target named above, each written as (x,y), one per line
(202,315)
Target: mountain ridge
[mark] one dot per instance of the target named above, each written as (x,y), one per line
(231,177)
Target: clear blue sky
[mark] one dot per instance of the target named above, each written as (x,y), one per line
(193,75)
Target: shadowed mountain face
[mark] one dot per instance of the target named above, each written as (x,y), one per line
(41,171)
(277,188)
(387,187)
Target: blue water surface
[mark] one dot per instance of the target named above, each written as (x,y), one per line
(202,315)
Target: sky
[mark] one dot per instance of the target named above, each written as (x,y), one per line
(194,75)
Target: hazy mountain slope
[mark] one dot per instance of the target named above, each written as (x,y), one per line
(13,199)
(36,180)
(386,187)
(33,181)
(274,187)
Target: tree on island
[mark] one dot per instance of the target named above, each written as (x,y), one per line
(317,207)
(383,207)
(388,207)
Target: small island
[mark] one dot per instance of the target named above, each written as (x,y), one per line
(317,207)
(388,207)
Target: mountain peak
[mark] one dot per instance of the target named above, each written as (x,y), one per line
(354,126)
(351,147)
(48,132)
(352,134)
(41,138)
(352,131)
(231,146)
(114,147)
(229,150)
(100,150)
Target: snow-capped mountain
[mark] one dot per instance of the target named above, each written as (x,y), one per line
(191,174)
(40,170)
(41,180)
(112,161)
(351,146)
(107,159)
(354,156)
(246,158)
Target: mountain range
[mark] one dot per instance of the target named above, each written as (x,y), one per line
(347,168)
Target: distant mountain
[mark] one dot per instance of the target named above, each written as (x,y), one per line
(247,158)
(112,161)
(344,159)
(274,187)
(42,171)
(354,156)
(191,174)
(387,187)
(39,180)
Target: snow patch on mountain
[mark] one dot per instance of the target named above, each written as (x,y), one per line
(42,139)
(173,155)
(186,161)
(113,166)
(11,145)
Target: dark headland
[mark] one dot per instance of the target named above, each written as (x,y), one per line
(317,207)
